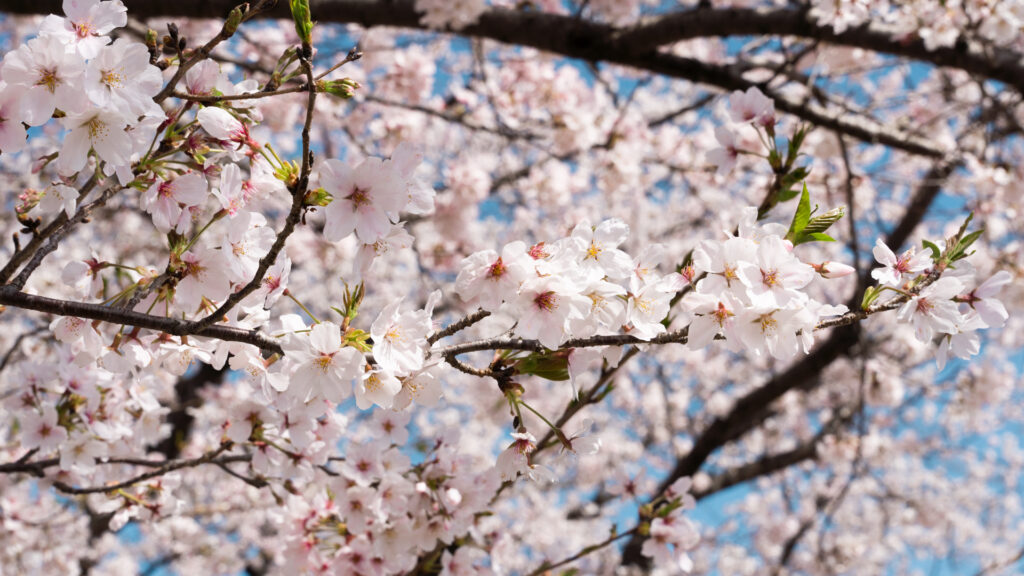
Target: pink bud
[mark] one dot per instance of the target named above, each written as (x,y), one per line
(834,269)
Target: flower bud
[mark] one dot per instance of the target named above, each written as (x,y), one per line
(833,269)
(344,88)
(234,19)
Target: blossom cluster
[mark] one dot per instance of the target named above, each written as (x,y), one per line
(336,422)
(944,307)
(748,288)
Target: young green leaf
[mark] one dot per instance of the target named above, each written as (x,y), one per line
(802,215)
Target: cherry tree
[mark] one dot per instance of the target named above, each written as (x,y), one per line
(544,287)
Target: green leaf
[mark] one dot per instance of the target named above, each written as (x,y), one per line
(550,366)
(794,177)
(795,143)
(825,221)
(961,247)
(802,215)
(303,20)
(787,195)
(870,295)
(818,237)
(936,253)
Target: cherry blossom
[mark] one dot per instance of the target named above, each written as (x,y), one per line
(364,199)
(164,199)
(908,263)
(45,78)
(541,249)
(933,310)
(324,366)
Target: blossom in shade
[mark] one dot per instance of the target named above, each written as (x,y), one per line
(41,430)
(12,132)
(726,155)
(377,387)
(752,106)
(205,275)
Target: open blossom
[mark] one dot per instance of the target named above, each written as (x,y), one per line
(752,106)
(324,366)
(515,460)
(725,156)
(544,305)
(232,193)
(607,311)
(245,241)
(600,247)
(766,327)
(365,199)
(275,282)
(722,262)
(41,430)
(121,77)
(59,198)
(205,276)
(963,342)
(396,239)
(647,308)
(405,159)
(400,339)
(463,562)
(933,309)
(98,130)
(46,77)
(86,24)
(909,263)
(712,315)
(223,126)
(489,279)
(423,387)
(991,311)
(670,538)
(12,132)
(377,387)
(164,199)
(776,276)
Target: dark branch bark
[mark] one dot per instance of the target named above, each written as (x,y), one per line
(571,36)
(1002,65)
(12,297)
